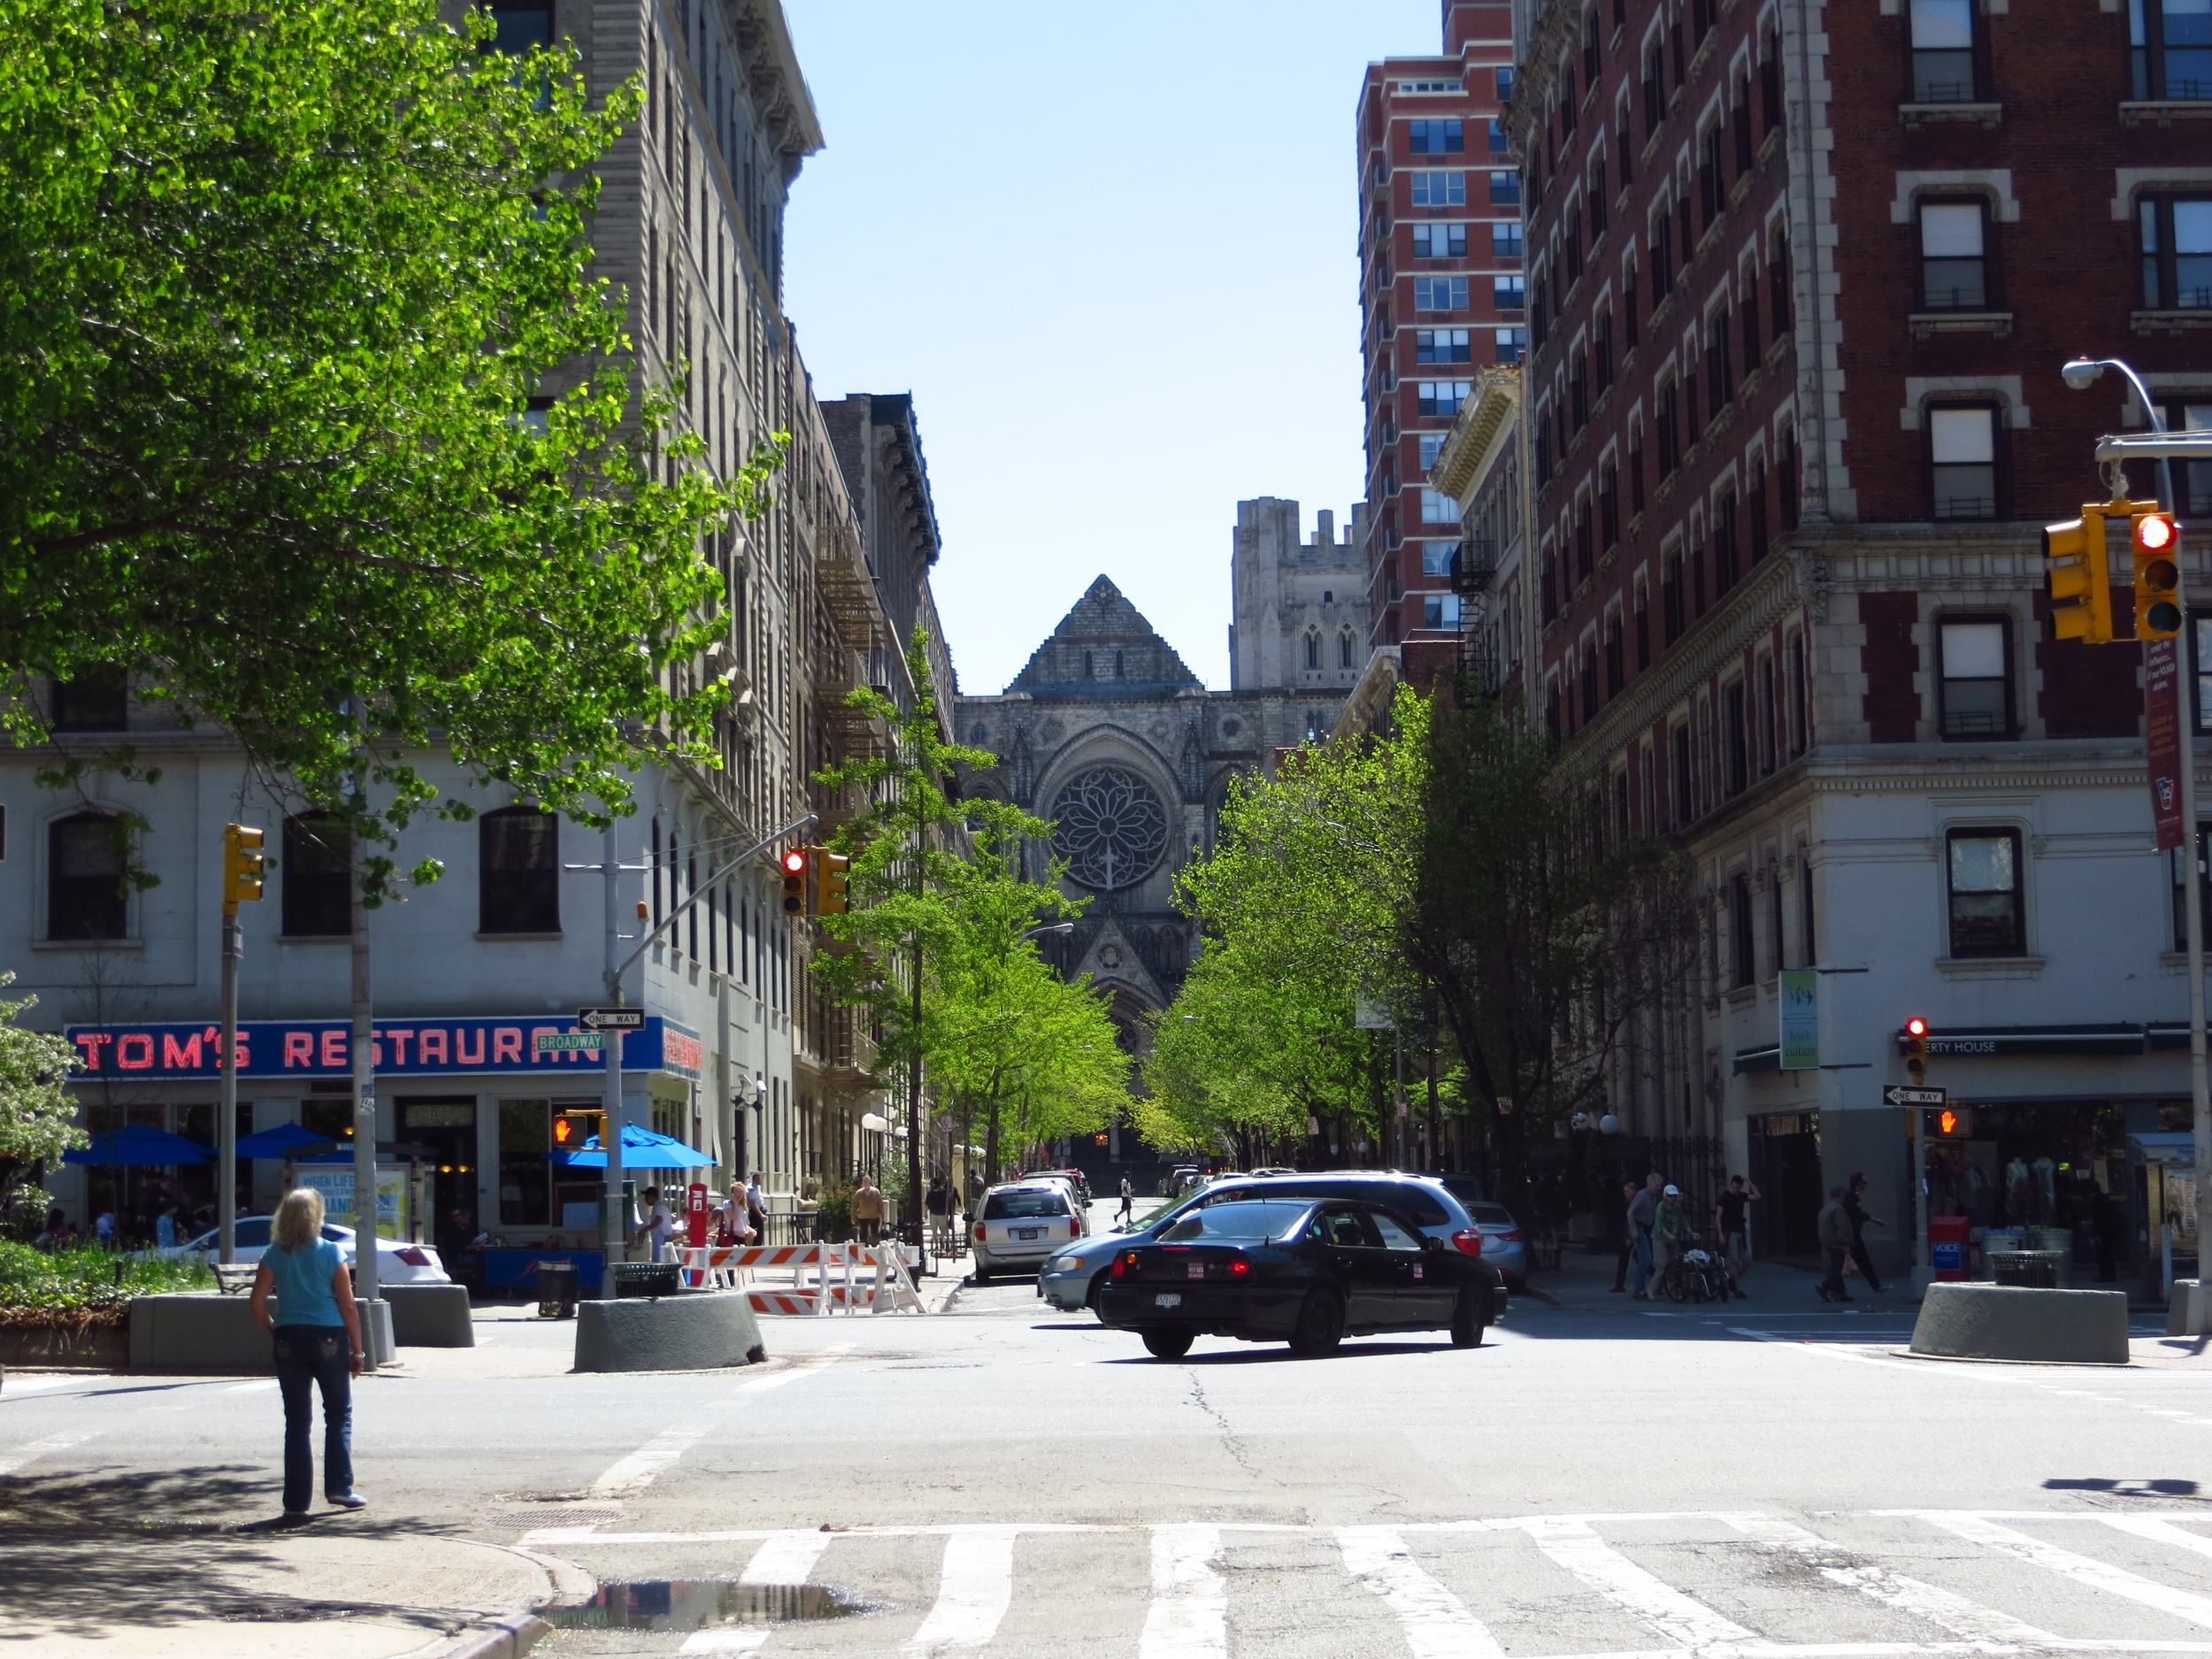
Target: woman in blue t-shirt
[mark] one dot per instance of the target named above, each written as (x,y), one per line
(317,1332)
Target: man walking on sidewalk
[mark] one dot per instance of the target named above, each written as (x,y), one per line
(1855,1207)
(1835,1243)
(1628,1237)
(868,1211)
(1733,1215)
(1128,1204)
(1643,1210)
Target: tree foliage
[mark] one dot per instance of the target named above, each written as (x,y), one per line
(37,1117)
(278,288)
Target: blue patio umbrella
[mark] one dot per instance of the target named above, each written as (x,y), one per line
(286,1140)
(137,1146)
(641,1149)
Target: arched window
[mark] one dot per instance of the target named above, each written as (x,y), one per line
(317,876)
(1117,665)
(1313,650)
(519,871)
(1344,648)
(85,894)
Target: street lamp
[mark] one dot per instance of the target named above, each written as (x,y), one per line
(1050,928)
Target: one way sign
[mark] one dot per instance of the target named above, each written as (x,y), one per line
(1900,1094)
(616,1020)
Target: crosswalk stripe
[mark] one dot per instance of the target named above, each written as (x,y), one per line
(1970,1620)
(1574,1544)
(2082,1569)
(786,1558)
(1190,1616)
(31,1451)
(975,1588)
(629,1475)
(2159,1530)
(1436,1624)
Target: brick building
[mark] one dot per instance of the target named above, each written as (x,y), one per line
(1800,281)
(1440,292)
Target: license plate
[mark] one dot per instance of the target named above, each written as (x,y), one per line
(1029,1233)
(1170,1299)
(1196,1270)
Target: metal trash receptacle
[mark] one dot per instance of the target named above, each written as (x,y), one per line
(557,1290)
(645,1279)
(2025,1269)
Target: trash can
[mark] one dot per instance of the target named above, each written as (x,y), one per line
(556,1290)
(2025,1269)
(645,1279)
(1947,1246)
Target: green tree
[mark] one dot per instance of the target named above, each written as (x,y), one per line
(37,1117)
(282,290)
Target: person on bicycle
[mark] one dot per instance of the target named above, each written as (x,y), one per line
(1669,1227)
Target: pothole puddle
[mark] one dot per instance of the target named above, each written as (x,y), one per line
(675,1605)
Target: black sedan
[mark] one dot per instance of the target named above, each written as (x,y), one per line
(1308,1272)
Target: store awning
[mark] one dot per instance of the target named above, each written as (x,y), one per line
(1766,1059)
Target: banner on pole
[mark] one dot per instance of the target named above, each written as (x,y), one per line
(1801,1020)
(2162,710)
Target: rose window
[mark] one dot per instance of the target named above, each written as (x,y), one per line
(1110,827)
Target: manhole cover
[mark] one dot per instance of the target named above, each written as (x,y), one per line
(548,1514)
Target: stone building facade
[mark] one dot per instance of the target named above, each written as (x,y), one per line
(1299,604)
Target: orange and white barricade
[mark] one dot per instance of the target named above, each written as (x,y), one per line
(823,1278)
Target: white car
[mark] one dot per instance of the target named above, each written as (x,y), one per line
(1021,1224)
(398,1263)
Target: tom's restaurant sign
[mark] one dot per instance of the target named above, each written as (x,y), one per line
(402,1047)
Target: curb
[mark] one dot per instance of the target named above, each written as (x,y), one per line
(510,1636)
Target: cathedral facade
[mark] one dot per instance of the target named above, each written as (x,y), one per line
(1108,735)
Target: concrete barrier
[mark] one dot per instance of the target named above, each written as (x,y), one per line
(693,1331)
(2186,1308)
(94,1348)
(430,1315)
(210,1331)
(2065,1327)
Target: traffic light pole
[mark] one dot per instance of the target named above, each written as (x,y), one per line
(227,1112)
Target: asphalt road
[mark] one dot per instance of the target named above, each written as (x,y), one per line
(1764,1480)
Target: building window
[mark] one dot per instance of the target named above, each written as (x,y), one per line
(1505,189)
(1977,677)
(2176,233)
(1440,189)
(1443,398)
(1505,84)
(516,28)
(1432,443)
(1685,808)
(1807,943)
(1984,869)
(1943,47)
(85,894)
(1798,700)
(1344,648)
(1962,460)
(2170,47)
(1741,968)
(1739,738)
(1441,345)
(1508,293)
(1506,242)
(2196,476)
(1440,611)
(1313,651)
(95,701)
(1439,242)
(1436,138)
(1499,143)
(1954,255)
(1437,556)
(317,876)
(519,871)
(1512,345)
(1439,294)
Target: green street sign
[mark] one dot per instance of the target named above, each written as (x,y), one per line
(561,1042)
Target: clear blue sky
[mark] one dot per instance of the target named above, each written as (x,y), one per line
(1111,251)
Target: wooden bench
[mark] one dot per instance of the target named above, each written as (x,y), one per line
(232,1278)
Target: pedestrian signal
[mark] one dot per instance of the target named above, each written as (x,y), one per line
(1917,1048)
(2154,542)
(1948,1122)
(794,881)
(830,882)
(2078,578)
(243,866)
(570,1130)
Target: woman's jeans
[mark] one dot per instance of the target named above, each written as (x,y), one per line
(308,1355)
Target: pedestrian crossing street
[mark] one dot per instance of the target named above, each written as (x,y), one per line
(1873,1583)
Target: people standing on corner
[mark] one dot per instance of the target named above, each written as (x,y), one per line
(1861,1221)
(1643,1210)
(868,1211)
(757,1208)
(1835,1243)
(733,1224)
(316,1327)
(1629,1190)
(660,1226)
(1732,1216)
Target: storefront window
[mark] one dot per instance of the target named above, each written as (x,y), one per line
(526,1178)
(2052,1175)
(1985,881)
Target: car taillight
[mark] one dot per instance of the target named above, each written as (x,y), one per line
(1513,1236)
(413,1258)
(1239,1268)
(1121,1264)
(1469,1240)
(978,1229)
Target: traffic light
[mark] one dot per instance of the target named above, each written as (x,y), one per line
(1916,1049)
(570,1130)
(1949,1123)
(794,881)
(2156,541)
(829,881)
(2078,576)
(241,865)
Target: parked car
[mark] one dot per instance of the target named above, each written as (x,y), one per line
(1307,1271)
(1073,1278)
(397,1262)
(1022,1223)
(1504,1245)
(1082,1181)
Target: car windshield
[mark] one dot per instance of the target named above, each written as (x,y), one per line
(1016,1206)
(1491,1215)
(1225,1222)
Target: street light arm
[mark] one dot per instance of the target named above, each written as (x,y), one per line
(651,938)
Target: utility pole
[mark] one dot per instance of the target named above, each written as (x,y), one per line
(365,1193)
(243,866)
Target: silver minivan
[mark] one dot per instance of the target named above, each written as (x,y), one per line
(1020,1224)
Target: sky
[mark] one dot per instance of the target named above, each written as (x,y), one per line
(1111,252)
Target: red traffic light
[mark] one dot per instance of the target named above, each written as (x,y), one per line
(2154,532)
(794,861)
(1915,1027)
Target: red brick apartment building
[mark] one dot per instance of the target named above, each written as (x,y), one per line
(1441,291)
(1801,280)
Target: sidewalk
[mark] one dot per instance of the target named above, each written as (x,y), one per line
(1584,1284)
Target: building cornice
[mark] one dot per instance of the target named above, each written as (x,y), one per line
(1479,430)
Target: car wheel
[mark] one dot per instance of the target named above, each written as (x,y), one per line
(1467,1320)
(1167,1344)
(1517,1284)
(1098,1285)
(1320,1326)
(980,1274)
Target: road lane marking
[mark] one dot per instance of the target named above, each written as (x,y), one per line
(786,1558)
(1190,1616)
(627,1476)
(1436,1624)
(262,1387)
(2037,1552)
(1574,1544)
(820,1362)
(975,1588)
(31,1451)
(750,1638)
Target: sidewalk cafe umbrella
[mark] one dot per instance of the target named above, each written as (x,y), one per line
(641,1149)
(137,1146)
(286,1140)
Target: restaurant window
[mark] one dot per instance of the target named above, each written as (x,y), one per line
(2169,49)
(519,871)
(87,895)
(525,1177)
(1963,461)
(1943,51)
(1976,654)
(1983,868)
(317,871)
(1954,256)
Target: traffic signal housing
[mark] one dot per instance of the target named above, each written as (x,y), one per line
(570,1130)
(243,866)
(795,862)
(1948,1122)
(2156,541)
(2078,578)
(1916,1049)
(830,882)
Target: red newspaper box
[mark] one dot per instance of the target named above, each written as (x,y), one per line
(1947,1246)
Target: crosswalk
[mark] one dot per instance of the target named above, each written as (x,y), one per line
(1866,1584)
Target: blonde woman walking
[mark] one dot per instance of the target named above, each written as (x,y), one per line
(317,1332)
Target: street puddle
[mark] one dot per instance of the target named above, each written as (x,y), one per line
(662,1604)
